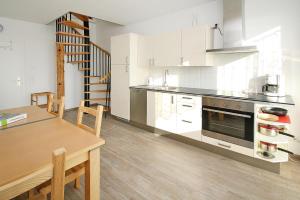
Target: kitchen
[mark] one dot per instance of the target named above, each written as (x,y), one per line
(208,84)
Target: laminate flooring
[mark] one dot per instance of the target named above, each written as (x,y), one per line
(139,165)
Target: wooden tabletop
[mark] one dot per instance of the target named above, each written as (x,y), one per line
(34,114)
(26,149)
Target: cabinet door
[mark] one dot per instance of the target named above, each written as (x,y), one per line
(165,108)
(167,49)
(145,51)
(194,46)
(120,49)
(120,94)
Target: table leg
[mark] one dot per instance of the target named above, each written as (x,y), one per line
(92,176)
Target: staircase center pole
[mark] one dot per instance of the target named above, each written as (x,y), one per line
(87,64)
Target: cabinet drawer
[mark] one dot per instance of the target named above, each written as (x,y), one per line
(189,111)
(185,125)
(229,146)
(188,99)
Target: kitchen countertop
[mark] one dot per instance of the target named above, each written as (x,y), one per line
(218,93)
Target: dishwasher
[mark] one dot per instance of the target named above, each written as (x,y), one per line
(138,106)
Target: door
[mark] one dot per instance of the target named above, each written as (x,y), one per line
(165,111)
(120,94)
(193,46)
(120,49)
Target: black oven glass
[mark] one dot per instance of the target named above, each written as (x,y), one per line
(232,123)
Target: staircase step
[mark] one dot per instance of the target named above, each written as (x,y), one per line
(73,25)
(96,84)
(81,17)
(91,76)
(84,69)
(77,53)
(105,108)
(96,91)
(80,61)
(72,35)
(72,44)
(97,100)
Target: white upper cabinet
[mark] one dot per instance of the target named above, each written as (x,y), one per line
(180,48)
(167,49)
(123,49)
(193,46)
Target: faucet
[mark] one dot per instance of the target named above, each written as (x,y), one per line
(165,83)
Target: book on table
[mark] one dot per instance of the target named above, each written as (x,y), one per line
(7,118)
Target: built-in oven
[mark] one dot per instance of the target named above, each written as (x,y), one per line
(228,120)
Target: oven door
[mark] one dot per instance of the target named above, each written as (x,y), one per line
(228,125)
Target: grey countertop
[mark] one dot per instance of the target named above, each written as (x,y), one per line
(217,93)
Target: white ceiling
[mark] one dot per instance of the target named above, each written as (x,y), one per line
(118,11)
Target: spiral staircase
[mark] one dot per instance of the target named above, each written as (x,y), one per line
(74,46)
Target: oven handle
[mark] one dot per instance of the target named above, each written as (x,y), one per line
(228,113)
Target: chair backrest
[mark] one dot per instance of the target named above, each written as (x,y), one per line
(56,106)
(58,179)
(97,113)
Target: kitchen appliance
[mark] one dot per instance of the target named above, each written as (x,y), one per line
(272,86)
(138,106)
(232,30)
(228,120)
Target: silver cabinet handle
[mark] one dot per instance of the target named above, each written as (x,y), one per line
(172,99)
(228,113)
(224,145)
(187,106)
(187,97)
(186,121)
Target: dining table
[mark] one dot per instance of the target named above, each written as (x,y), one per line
(26,152)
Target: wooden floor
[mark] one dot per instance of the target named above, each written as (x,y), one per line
(136,164)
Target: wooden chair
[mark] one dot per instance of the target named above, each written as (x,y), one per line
(74,173)
(97,113)
(35,98)
(56,106)
(58,179)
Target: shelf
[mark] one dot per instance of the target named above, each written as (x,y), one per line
(271,122)
(280,156)
(279,139)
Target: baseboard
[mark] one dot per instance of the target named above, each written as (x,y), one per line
(272,167)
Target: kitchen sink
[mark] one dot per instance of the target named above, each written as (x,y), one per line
(166,88)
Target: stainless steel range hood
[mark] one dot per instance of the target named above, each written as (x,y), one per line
(233,29)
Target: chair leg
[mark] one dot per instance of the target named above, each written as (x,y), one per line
(31,194)
(77,183)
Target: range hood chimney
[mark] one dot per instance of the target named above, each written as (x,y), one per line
(233,29)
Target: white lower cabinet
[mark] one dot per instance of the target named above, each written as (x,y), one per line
(189,119)
(179,114)
(161,111)
(227,145)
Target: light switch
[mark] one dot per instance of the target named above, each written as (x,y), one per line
(19,81)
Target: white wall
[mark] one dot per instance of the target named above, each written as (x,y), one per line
(205,14)
(31,60)
(266,15)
